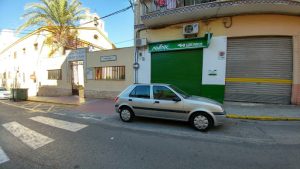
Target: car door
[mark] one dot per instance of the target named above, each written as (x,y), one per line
(139,99)
(167,104)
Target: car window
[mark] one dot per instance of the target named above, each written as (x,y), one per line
(2,89)
(163,93)
(179,91)
(141,92)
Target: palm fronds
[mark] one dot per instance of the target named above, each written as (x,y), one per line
(58,17)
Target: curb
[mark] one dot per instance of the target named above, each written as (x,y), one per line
(262,118)
(53,102)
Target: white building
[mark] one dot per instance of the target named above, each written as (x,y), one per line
(26,63)
(7,37)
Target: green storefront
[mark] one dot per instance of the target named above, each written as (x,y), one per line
(180,62)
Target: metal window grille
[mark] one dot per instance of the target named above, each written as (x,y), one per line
(110,73)
(54,74)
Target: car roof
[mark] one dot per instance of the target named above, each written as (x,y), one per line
(164,84)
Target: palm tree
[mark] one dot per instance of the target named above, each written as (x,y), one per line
(58,17)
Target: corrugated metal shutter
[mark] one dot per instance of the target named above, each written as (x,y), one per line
(259,69)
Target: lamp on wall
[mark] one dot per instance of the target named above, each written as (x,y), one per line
(227,22)
(136,65)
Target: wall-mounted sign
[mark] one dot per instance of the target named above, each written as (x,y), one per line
(212,72)
(108,58)
(78,54)
(90,73)
(183,44)
(32,77)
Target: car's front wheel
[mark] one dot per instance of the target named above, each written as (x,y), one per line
(201,121)
(126,114)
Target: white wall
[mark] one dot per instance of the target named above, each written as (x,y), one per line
(144,60)
(213,63)
(7,37)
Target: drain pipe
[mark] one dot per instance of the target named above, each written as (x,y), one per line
(136,64)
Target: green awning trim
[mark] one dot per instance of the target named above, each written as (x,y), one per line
(182,44)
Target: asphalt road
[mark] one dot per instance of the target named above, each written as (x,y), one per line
(75,141)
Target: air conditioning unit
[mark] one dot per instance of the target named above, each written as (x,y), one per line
(191,29)
(141,42)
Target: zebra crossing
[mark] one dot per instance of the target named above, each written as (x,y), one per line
(70,126)
(32,138)
(3,156)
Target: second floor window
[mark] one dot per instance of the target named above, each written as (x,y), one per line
(36,46)
(110,73)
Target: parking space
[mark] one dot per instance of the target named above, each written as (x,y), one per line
(37,106)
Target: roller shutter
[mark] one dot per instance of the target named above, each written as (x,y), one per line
(259,69)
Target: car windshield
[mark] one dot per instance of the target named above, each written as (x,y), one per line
(2,89)
(179,91)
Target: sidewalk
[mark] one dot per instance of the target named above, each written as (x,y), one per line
(238,110)
(256,111)
(65,100)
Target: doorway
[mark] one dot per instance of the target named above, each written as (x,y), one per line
(77,73)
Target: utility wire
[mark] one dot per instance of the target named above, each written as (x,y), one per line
(111,14)
(106,16)
(124,41)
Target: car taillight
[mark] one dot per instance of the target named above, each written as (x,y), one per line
(116,99)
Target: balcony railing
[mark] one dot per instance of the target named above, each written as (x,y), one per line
(151,6)
(158,13)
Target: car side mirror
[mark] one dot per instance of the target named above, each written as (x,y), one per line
(176,99)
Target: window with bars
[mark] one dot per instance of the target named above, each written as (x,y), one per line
(54,74)
(110,73)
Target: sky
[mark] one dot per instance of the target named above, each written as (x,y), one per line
(119,27)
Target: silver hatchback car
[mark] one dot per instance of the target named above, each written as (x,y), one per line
(168,102)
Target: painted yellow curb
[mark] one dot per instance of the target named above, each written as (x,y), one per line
(262,118)
(258,80)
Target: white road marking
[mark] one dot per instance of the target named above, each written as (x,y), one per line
(32,138)
(24,105)
(3,156)
(50,108)
(70,126)
(36,106)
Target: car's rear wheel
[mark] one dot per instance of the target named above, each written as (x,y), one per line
(126,114)
(201,121)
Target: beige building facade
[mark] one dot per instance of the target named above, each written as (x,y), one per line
(253,55)
(108,72)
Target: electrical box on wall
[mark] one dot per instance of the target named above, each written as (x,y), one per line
(190,29)
(141,42)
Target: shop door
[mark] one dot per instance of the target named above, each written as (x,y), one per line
(180,68)
(259,69)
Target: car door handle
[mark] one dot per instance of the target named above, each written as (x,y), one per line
(156,102)
(130,100)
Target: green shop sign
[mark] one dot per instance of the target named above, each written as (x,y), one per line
(183,44)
